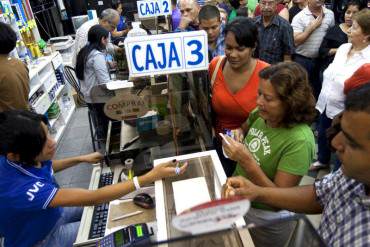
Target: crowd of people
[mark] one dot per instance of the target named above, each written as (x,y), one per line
(279,72)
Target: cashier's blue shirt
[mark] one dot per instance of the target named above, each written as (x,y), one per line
(25,194)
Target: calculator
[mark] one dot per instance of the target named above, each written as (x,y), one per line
(132,235)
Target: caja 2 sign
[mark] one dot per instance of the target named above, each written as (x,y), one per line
(151,8)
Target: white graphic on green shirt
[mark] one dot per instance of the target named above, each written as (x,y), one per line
(260,138)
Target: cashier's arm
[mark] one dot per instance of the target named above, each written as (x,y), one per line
(300,199)
(62,164)
(84,197)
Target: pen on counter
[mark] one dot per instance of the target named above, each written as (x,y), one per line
(127,215)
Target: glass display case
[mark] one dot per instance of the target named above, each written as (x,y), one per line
(156,118)
(205,165)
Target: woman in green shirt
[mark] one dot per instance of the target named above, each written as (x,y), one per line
(279,144)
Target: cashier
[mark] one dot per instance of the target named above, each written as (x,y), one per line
(122,28)
(34,211)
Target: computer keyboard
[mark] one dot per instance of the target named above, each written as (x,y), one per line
(100,215)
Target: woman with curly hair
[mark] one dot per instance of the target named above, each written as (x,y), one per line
(279,144)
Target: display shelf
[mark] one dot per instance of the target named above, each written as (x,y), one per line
(60,131)
(60,89)
(40,64)
(34,88)
(53,120)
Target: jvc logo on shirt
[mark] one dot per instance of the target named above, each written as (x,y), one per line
(36,187)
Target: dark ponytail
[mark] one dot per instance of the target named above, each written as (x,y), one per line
(96,33)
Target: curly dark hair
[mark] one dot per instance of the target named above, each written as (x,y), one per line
(290,81)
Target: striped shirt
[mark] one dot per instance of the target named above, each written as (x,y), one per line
(310,48)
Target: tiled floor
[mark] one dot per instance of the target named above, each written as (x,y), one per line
(75,141)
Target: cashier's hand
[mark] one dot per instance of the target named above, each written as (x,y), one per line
(92,158)
(236,151)
(240,186)
(167,169)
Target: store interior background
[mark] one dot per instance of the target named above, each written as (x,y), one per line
(76,140)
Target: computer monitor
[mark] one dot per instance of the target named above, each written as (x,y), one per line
(77,21)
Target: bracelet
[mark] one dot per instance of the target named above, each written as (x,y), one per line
(136,183)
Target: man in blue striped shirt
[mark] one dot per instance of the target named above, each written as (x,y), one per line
(210,21)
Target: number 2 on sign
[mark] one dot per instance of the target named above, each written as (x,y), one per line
(165,7)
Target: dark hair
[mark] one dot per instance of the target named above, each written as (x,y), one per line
(234,3)
(358,99)
(242,11)
(245,31)
(208,12)
(358,3)
(115,4)
(8,38)
(21,133)
(290,81)
(96,33)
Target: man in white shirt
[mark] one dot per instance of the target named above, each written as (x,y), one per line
(108,19)
(309,27)
(189,15)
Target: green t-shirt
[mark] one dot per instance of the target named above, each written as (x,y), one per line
(290,150)
(232,15)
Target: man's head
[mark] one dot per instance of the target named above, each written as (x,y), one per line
(352,144)
(109,19)
(268,8)
(8,39)
(210,21)
(316,4)
(189,9)
(24,137)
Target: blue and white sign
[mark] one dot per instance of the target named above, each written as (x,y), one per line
(151,8)
(167,53)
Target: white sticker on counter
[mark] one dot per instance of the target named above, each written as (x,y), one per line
(167,53)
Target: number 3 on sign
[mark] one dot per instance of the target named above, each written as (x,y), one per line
(167,53)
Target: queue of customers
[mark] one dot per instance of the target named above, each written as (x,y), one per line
(262,100)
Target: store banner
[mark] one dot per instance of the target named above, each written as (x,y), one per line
(152,8)
(167,53)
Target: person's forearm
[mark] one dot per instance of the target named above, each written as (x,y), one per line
(62,164)
(112,192)
(300,199)
(84,197)
(300,38)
